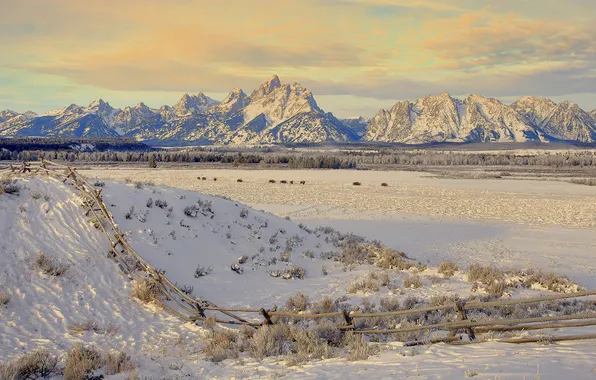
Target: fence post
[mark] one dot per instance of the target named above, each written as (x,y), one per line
(464,317)
(265,314)
(347,317)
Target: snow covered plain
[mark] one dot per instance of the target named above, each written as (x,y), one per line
(42,307)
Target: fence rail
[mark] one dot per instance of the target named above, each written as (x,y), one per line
(190,309)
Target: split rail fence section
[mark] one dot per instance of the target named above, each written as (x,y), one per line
(191,309)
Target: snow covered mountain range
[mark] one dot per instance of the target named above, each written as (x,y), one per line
(288,113)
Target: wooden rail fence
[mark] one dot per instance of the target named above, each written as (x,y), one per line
(190,309)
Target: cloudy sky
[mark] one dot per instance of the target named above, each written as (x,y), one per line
(355,55)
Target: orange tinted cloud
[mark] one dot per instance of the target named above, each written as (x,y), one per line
(347,46)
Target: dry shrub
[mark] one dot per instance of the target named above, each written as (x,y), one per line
(496,288)
(307,345)
(411,302)
(389,304)
(201,271)
(412,281)
(10,187)
(49,265)
(448,268)
(358,347)
(32,365)
(368,284)
(387,258)
(112,329)
(285,256)
(356,252)
(356,183)
(291,273)
(325,305)
(210,322)
(549,280)
(81,362)
(4,297)
(329,331)
(485,274)
(82,327)
(269,341)
(443,299)
(146,291)
(384,279)
(298,302)
(117,362)
(221,345)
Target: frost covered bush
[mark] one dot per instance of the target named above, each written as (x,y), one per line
(374,254)
(290,273)
(221,345)
(191,211)
(161,203)
(117,362)
(146,291)
(412,281)
(307,345)
(49,265)
(186,289)
(389,304)
(32,365)
(99,183)
(9,187)
(201,271)
(285,256)
(128,215)
(358,347)
(244,213)
(297,302)
(149,203)
(447,268)
(269,341)
(496,287)
(83,327)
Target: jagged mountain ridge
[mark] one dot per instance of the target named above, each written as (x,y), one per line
(442,118)
(273,113)
(288,113)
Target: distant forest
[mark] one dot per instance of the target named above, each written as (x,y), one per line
(332,159)
(19,144)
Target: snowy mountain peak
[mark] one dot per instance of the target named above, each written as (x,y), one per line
(267,88)
(236,93)
(194,104)
(99,102)
(72,108)
(142,106)
(7,114)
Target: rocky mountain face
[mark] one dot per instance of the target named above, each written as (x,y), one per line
(357,125)
(442,118)
(288,113)
(273,113)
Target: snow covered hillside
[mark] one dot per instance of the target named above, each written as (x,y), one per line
(61,288)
